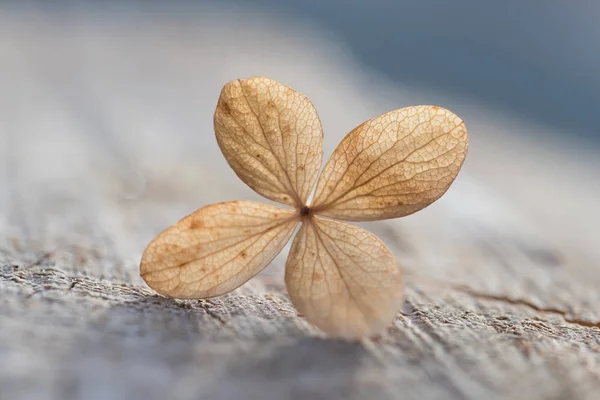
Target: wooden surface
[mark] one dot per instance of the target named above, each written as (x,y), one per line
(106,133)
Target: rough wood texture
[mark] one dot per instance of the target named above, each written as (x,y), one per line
(107,139)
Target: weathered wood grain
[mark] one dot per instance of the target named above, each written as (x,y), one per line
(105,122)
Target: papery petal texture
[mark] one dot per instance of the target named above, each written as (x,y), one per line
(343,279)
(272,138)
(392,165)
(216,249)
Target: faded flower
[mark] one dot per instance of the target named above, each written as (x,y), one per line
(340,277)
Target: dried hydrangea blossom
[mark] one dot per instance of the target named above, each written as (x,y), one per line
(340,277)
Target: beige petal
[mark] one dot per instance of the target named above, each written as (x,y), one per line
(343,279)
(272,138)
(216,249)
(392,165)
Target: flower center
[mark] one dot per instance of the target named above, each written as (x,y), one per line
(304,211)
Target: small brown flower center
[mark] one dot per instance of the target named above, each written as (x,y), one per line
(305,211)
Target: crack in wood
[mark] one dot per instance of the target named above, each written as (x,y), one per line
(522,302)
(508,300)
(45,257)
(72,285)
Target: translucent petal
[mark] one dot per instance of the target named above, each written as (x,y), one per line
(272,138)
(216,249)
(392,165)
(343,279)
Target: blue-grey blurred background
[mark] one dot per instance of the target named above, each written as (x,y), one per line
(537,59)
